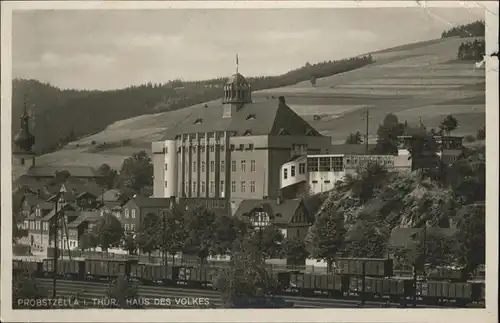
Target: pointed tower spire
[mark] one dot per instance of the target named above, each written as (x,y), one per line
(24,140)
(237,63)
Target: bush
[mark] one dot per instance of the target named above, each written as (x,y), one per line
(470,138)
(93,142)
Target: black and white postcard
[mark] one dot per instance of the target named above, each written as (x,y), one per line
(249,161)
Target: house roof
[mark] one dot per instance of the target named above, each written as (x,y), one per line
(50,171)
(83,216)
(282,212)
(146,202)
(268,117)
(65,206)
(111,195)
(350,149)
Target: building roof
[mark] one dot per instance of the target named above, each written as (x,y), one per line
(282,212)
(146,202)
(83,216)
(50,171)
(268,117)
(350,149)
(65,206)
(112,195)
(237,79)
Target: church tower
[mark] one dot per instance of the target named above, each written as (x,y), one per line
(237,92)
(24,140)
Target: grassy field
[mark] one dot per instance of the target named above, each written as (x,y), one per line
(415,81)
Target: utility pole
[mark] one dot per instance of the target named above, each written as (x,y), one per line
(59,199)
(367,116)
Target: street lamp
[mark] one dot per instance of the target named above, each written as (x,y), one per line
(59,199)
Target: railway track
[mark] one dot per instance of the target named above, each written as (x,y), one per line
(93,294)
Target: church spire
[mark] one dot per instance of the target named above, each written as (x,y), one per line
(24,140)
(237,63)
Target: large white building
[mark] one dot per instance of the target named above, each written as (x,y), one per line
(314,174)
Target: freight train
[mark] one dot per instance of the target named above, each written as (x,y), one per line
(353,278)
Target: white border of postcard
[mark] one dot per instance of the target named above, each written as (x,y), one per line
(241,315)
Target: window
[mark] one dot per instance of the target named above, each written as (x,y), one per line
(202,149)
(187,187)
(242,186)
(127,213)
(292,171)
(126,227)
(242,146)
(166,166)
(132,213)
(166,184)
(338,164)
(252,186)
(221,147)
(202,166)
(222,166)
(302,168)
(194,167)
(212,166)
(252,165)
(222,186)
(132,227)
(312,165)
(38,212)
(233,186)
(243,166)
(250,146)
(38,225)
(194,187)
(202,187)
(233,165)
(285,173)
(212,187)
(212,148)
(325,164)
(327,182)
(45,226)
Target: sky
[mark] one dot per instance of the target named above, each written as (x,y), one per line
(111,49)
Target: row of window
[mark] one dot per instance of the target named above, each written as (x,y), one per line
(212,148)
(302,170)
(130,227)
(243,166)
(130,213)
(211,188)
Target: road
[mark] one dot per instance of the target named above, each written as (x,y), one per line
(94,294)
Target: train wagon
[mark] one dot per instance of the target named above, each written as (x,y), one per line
(307,284)
(378,267)
(202,276)
(440,292)
(107,269)
(394,289)
(446,273)
(65,268)
(26,267)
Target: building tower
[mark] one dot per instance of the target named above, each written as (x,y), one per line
(237,92)
(24,140)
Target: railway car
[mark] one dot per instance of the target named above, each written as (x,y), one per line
(97,269)
(443,292)
(26,267)
(154,274)
(65,268)
(446,273)
(307,284)
(377,267)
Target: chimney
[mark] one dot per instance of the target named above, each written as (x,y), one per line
(282,99)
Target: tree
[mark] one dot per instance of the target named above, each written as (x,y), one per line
(173,235)
(432,247)
(387,133)
(449,124)
(129,243)
(471,236)
(313,80)
(354,139)
(295,251)
(88,241)
(226,230)
(247,279)
(327,234)
(18,231)
(368,178)
(268,241)
(366,240)
(108,231)
(481,133)
(423,148)
(60,177)
(137,172)
(148,233)
(108,177)
(124,292)
(200,228)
